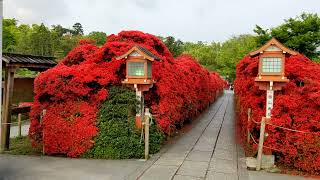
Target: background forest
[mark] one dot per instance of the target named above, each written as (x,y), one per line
(301,33)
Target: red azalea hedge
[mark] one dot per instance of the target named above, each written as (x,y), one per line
(296,106)
(72,91)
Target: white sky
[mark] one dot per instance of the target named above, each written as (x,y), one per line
(188,20)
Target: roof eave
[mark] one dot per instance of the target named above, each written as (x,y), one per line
(273,41)
(135,48)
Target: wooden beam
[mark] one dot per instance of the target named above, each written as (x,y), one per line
(8,92)
(3,125)
(19,125)
(19,110)
(31,66)
(146,133)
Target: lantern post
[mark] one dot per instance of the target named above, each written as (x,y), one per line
(271,77)
(139,62)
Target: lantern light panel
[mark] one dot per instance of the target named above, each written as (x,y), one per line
(271,64)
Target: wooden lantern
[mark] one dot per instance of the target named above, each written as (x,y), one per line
(272,65)
(271,77)
(139,67)
(139,75)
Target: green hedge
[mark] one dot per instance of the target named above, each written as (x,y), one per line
(118,138)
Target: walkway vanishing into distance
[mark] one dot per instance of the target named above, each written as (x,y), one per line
(208,150)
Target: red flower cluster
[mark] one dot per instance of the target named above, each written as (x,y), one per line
(182,91)
(296,106)
(72,91)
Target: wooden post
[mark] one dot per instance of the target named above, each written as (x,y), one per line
(147,124)
(140,108)
(6,118)
(269,106)
(269,99)
(138,96)
(3,125)
(248,128)
(261,140)
(41,119)
(19,125)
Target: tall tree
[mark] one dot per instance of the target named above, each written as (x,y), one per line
(41,41)
(24,45)
(9,35)
(77,29)
(301,33)
(60,30)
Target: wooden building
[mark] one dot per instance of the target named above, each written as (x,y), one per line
(10,63)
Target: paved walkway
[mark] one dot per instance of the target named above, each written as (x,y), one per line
(54,168)
(207,151)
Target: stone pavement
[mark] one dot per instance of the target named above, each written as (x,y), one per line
(207,151)
(55,168)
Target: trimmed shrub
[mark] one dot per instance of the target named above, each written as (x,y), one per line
(118,138)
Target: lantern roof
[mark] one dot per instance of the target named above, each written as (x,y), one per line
(141,52)
(273,45)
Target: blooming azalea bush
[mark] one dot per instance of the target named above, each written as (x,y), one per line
(296,106)
(73,91)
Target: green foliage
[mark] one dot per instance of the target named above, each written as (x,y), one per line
(118,138)
(206,54)
(66,44)
(77,29)
(232,51)
(9,34)
(222,57)
(23,72)
(99,37)
(301,34)
(22,146)
(175,46)
(59,30)
(263,35)
(41,40)
(25,39)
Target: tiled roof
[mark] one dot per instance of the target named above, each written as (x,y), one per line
(147,52)
(12,58)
